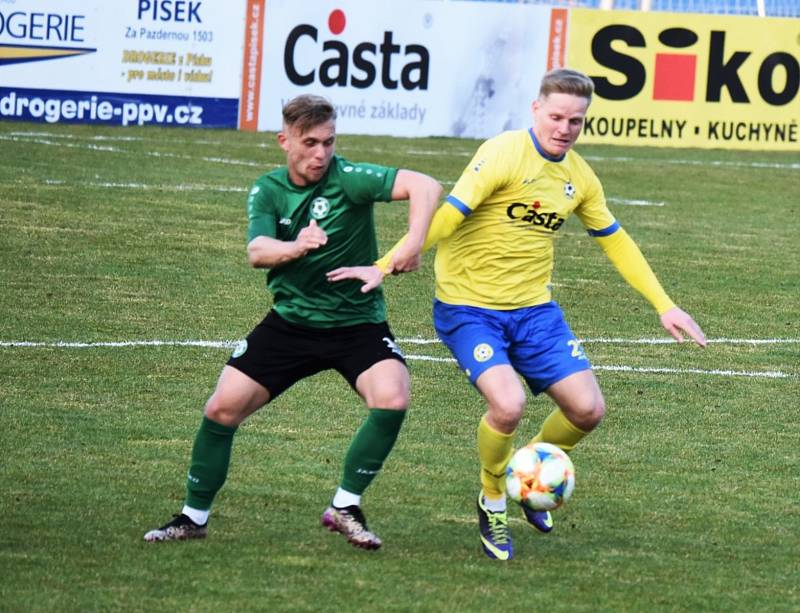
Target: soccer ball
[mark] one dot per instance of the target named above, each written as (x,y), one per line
(540,476)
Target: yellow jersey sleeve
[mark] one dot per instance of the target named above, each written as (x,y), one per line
(632,265)
(443,224)
(618,246)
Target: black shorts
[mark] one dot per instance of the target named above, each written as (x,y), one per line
(278,353)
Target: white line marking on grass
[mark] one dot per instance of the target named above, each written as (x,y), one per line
(156,154)
(24,136)
(102,137)
(733,164)
(668,341)
(643,341)
(92,345)
(770,374)
(40,141)
(97,137)
(628,202)
(145,186)
(611,199)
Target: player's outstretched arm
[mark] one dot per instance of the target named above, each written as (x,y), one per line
(268,252)
(423,193)
(631,264)
(678,322)
(444,223)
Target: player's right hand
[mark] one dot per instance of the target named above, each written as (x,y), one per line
(678,322)
(371,276)
(309,238)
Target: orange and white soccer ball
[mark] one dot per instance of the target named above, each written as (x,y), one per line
(540,476)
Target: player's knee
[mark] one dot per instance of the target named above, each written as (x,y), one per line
(507,411)
(222,412)
(394,397)
(597,412)
(588,414)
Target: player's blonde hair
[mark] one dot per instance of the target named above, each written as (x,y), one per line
(307,111)
(566,81)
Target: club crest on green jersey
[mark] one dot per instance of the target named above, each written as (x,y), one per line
(320,207)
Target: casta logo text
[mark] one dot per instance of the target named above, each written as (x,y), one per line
(331,62)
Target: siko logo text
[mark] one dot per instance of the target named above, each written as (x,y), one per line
(309,56)
(675,71)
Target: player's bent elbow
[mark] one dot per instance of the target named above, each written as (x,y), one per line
(254,260)
(253,254)
(256,257)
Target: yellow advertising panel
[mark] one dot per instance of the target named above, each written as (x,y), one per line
(680,80)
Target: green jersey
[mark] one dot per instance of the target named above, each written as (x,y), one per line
(342,204)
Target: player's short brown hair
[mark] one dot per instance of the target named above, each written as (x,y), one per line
(307,111)
(566,81)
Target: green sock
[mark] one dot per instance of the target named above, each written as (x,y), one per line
(370,447)
(211,456)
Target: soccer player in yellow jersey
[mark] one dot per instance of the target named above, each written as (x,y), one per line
(493,307)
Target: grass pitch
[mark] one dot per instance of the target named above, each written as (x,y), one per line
(124,283)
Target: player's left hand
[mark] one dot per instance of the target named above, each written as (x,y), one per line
(372,276)
(678,322)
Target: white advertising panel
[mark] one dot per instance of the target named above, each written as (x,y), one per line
(422,68)
(126,62)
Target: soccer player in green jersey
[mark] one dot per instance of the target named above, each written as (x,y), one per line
(493,306)
(311,216)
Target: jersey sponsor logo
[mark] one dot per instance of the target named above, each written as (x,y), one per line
(483,352)
(320,207)
(530,213)
(393,346)
(569,190)
(240,348)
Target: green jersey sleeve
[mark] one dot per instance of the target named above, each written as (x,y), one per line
(261,213)
(367,183)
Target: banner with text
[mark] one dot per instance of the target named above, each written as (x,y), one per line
(405,69)
(127,62)
(676,80)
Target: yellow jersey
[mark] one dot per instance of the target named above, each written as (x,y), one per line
(514,197)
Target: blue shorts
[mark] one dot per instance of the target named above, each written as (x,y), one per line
(536,341)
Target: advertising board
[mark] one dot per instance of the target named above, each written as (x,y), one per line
(127,62)
(663,79)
